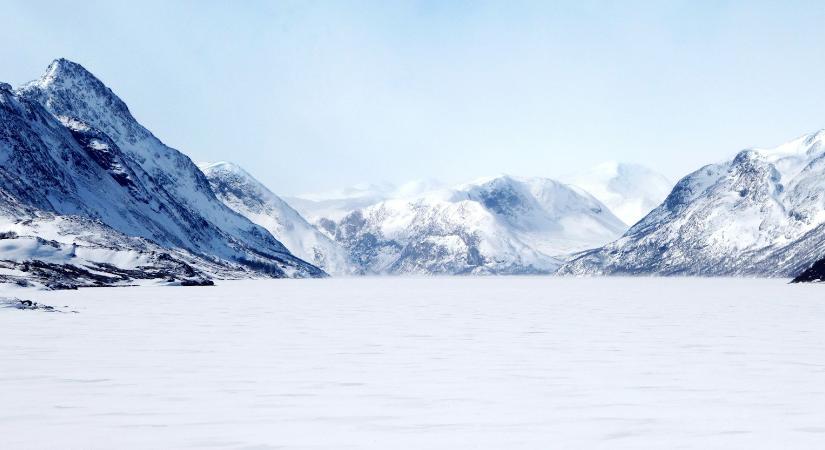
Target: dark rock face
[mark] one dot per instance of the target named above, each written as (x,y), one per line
(107,155)
(814,273)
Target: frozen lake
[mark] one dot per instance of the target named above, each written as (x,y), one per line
(444,363)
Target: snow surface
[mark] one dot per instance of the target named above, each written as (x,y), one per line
(435,363)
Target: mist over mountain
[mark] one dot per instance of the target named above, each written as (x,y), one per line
(629,190)
(337,203)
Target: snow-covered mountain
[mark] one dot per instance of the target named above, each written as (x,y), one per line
(762,213)
(248,197)
(503,225)
(71,152)
(629,190)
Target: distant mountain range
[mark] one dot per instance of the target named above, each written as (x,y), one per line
(503,225)
(89,197)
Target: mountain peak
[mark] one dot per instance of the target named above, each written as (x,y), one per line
(68,89)
(816,136)
(64,71)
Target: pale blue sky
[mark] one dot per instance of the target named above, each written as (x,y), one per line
(315,95)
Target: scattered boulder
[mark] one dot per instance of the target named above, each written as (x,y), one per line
(17,303)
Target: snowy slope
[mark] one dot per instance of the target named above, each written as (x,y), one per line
(503,225)
(762,212)
(69,147)
(248,197)
(59,252)
(629,190)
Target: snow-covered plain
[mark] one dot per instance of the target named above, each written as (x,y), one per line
(393,363)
